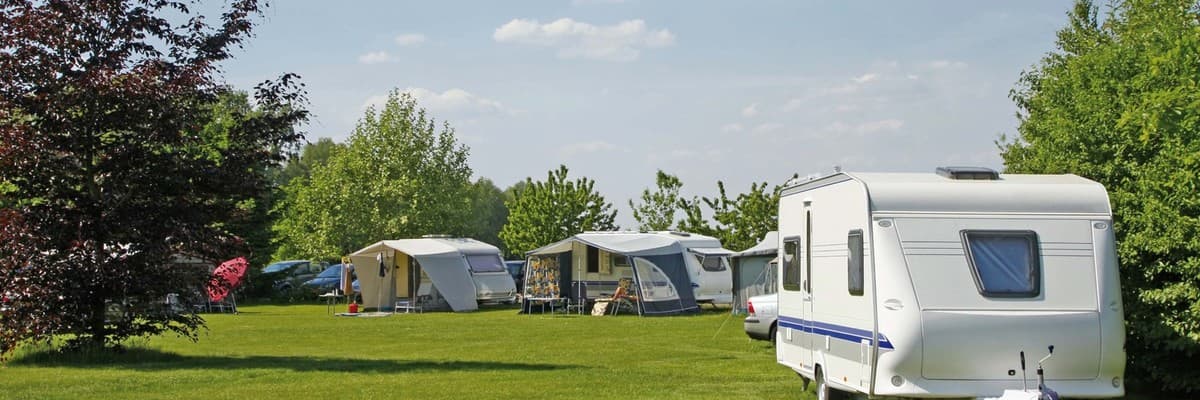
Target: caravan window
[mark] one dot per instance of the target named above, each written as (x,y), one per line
(854,262)
(1004,263)
(486,263)
(710,263)
(791,264)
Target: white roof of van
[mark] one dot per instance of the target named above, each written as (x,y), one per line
(431,246)
(1012,193)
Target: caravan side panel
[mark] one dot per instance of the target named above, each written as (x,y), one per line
(830,327)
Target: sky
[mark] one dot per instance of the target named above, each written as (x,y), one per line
(709,91)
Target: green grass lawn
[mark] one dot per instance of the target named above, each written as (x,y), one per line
(299,351)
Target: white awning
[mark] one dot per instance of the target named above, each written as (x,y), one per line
(769,245)
(711,251)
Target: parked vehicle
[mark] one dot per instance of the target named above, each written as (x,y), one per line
(930,285)
(516,268)
(287,275)
(329,280)
(760,322)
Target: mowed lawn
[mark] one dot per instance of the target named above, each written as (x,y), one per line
(299,351)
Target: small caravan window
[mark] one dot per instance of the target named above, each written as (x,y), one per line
(593,259)
(854,262)
(486,263)
(791,264)
(1004,263)
(710,263)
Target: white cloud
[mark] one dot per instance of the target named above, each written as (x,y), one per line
(455,100)
(866,78)
(947,64)
(621,42)
(410,39)
(866,128)
(768,127)
(750,110)
(594,146)
(376,57)
(913,77)
(732,128)
(844,108)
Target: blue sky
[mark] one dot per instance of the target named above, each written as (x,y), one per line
(735,91)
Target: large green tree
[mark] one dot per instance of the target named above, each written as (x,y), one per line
(301,164)
(488,212)
(739,222)
(657,209)
(400,175)
(116,155)
(1119,102)
(543,212)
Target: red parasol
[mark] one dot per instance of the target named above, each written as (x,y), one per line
(225,278)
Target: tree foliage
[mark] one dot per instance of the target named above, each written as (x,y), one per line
(657,210)
(300,165)
(488,213)
(114,159)
(544,212)
(1119,102)
(399,176)
(739,222)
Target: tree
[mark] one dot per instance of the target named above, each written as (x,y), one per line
(114,161)
(488,213)
(657,210)
(398,176)
(553,210)
(1119,103)
(301,165)
(740,222)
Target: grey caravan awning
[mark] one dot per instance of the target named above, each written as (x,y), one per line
(711,251)
(663,284)
(443,262)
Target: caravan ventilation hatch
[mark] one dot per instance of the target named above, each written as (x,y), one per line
(969,173)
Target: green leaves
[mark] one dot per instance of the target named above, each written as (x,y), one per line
(1118,103)
(544,212)
(400,175)
(657,211)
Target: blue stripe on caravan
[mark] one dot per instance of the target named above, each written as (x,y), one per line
(846,333)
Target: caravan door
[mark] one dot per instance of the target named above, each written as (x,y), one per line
(809,341)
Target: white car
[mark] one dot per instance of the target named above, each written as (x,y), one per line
(763,309)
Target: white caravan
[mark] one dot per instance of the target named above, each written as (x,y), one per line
(433,272)
(930,285)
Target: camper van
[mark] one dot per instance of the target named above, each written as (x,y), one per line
(591,265)
(939,284)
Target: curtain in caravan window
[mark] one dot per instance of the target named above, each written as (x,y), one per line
(1005,263)
(791,265)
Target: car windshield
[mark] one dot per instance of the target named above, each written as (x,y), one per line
(332,272)
(280,266)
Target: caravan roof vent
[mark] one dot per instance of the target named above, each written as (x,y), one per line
(969,173)
(678,233)
(436,236)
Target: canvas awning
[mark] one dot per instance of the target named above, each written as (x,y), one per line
(442,259)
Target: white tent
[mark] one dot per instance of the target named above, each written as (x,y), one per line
(754,271)
(434,267)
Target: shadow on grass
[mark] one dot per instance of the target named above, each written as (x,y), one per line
(154,360)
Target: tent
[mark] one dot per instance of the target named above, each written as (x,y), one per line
(754,271)
(652,266)
(441,273)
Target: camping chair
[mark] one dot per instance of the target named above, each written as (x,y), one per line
(624,297)
(579,297)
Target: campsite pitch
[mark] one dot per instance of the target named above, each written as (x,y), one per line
(299,351)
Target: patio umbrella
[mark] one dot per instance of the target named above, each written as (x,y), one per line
(226,277)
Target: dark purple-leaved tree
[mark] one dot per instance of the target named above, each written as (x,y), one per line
(118,150)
